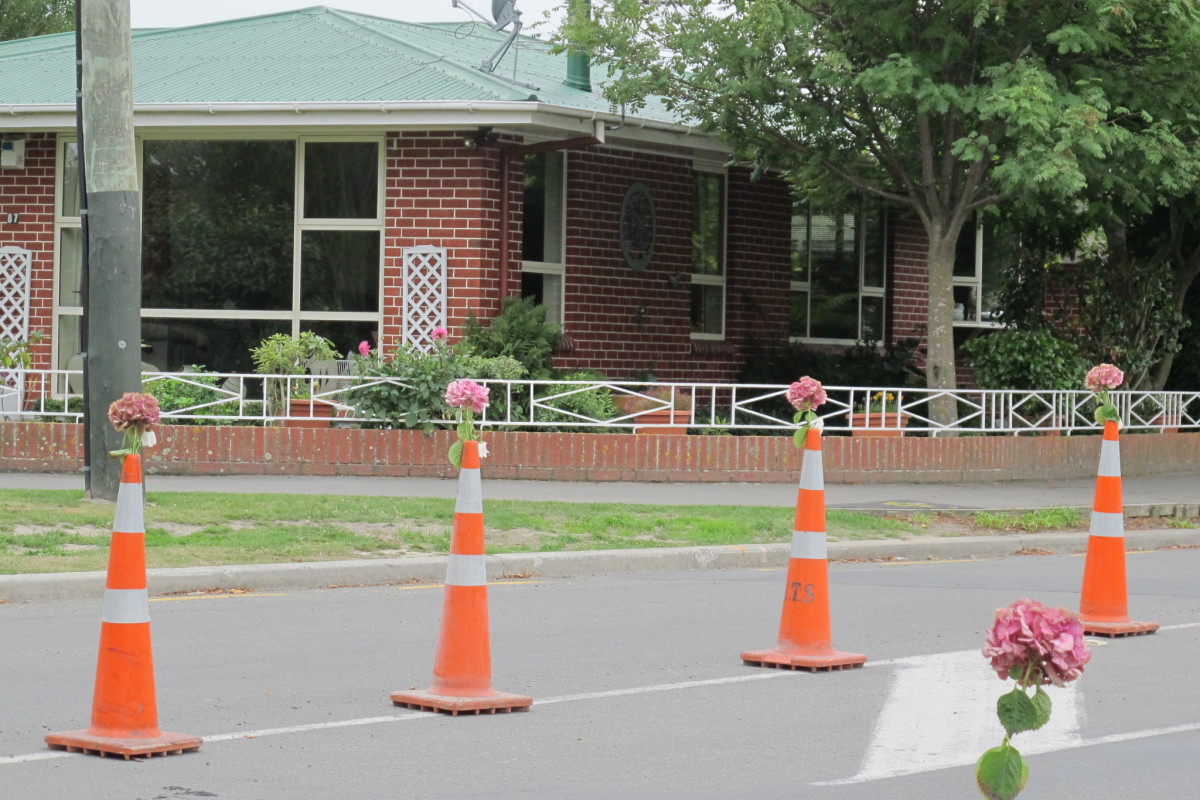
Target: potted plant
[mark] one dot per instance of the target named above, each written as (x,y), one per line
(15,357)
(879,415)
(662,410)
(282,355)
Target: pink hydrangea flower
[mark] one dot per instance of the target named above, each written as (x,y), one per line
(1051,639)
(364,349)
(1104,376)
(806,394)
(134,410)
(440,333)
(467,394)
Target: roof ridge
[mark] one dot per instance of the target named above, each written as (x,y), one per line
(470,74)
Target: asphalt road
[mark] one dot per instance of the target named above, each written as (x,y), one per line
(638,691)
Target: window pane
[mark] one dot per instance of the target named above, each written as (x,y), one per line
(834,246)
(1000,252)
(217,225)
(339,271)
(345,335)
(542,208)
(67,340)
(221,345)
(872,319)
(70,267)
(798,321)
(708,306)
(546,291)
(708,222)
(800,223)
(964,252)
(965,304)
(70,173)
(874,232)
(341,180)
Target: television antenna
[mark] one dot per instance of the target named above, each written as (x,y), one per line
(504,13)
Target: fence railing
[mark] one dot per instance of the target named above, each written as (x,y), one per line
(235,398)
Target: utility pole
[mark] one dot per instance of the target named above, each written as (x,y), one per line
(112,311)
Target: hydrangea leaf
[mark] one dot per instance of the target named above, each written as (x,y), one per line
(1041,704)
(456,454)
(1017,712)
(1001,773)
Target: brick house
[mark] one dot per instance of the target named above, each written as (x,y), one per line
(322,170)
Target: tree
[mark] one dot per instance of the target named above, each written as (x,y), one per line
(22,18)
(943,108)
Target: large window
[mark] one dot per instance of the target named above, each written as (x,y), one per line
(241,239)
(708,256)
(543,207)
(837,289)
(980,255)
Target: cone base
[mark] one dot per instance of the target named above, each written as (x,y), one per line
(780,659)
(88,743)
(1115,629)
(489,704)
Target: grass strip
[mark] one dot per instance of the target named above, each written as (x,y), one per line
(61,531)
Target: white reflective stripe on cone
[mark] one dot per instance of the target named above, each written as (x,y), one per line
(1107,523)
(466,570)
(470,492)
(129,518)
(809,544)
(812,471)
(126,605)
(1110,459)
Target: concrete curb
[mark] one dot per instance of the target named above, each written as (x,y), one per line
(323,574)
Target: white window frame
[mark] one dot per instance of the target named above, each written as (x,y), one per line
(556,311)
(861,213)
(703,278)
(297,318)
(975,282)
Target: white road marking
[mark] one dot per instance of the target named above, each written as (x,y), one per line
(905,663)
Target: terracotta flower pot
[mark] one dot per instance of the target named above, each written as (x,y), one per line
(663,421)
(878,423)
(308,413)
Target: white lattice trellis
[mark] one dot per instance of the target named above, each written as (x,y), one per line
(15,267)
(424,295)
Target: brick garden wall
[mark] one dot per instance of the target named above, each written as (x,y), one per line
(205,450)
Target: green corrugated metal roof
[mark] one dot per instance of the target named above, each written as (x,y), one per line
(311,55)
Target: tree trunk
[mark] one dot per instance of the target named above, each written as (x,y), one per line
(939,364)
(113,346)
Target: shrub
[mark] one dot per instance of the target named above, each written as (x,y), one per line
(594,403)
(520,330)
(1026,360)
(174,394)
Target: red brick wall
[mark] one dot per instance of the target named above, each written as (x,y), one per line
(211,450)
(30,193)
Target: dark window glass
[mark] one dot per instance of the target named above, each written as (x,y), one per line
(873,241)
(341,180)
(221,345)
(833,242)
(798,320)
(708,308)
(964,251)
(872,319)
(533,284)
(708,224)
(339,271)
(217,222)
(345,335)
(542,208)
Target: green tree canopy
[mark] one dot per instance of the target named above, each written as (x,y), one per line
(944,108)
(23,18)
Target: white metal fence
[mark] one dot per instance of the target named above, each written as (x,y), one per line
(231,398)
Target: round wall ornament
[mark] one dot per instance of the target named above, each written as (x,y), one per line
(637,226)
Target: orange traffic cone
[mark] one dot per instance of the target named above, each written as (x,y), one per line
(124,711)
(804,641)
(1103,605)
(462,669)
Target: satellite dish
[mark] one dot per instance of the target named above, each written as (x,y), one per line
(504,12)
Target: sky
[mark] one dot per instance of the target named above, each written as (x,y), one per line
(173,13)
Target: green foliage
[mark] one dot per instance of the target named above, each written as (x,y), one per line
(1001,773)
(1017,712)
(281,354)
(520,330)
(595,403)
(23,18)
(417,396)
(193,390)
(1026,359)
(18,353)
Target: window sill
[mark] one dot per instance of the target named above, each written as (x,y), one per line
(713,347)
